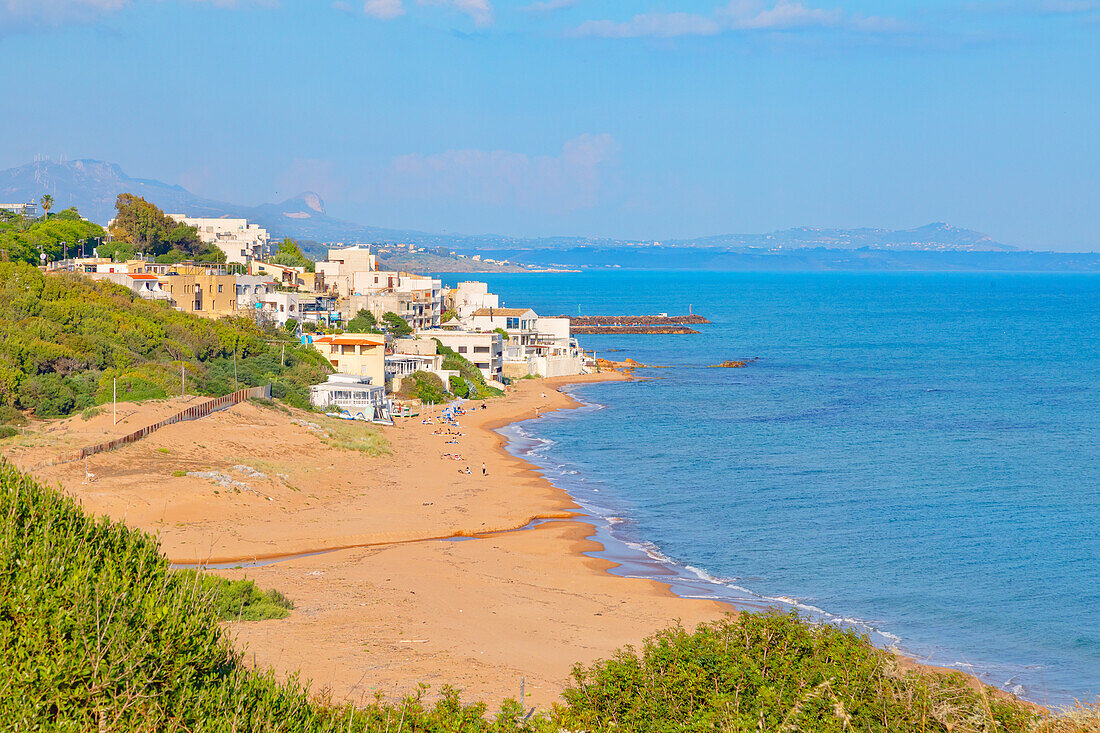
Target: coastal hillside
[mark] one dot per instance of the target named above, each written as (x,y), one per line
(98,632)
(66,342)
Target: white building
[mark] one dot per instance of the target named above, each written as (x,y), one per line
(484,350)
(534,345)
(471,296)
(253,290)
(29,209)
(242,242)
(284,306)
(416,299)
(342,264)
(355,396)
(145,285)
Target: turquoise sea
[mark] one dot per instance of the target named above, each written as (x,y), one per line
(913,455)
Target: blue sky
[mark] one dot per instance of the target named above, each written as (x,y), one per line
(646,119)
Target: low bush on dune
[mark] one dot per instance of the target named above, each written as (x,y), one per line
(775,672)
(97,633)
(239,600)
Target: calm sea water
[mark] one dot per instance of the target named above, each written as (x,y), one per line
(914,455)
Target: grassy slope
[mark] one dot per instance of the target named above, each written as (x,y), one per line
(64,338)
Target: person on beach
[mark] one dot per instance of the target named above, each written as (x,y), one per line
(484,471)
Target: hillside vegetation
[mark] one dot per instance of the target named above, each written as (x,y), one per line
(64,338)
(98,633)
(23,239)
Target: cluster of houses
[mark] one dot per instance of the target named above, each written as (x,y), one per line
(504,344)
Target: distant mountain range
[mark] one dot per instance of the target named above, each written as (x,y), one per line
(93,185)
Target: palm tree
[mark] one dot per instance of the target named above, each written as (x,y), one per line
(47,204)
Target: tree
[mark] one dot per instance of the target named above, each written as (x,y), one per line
(449,314)
(47,204)
(147,228)
(364,322)
(395,324)
(23,238)
(290,254)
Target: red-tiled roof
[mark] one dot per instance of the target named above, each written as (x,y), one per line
(359,339)
(501,311)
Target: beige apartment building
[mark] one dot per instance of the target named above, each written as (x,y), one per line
(204,291)
(361,354)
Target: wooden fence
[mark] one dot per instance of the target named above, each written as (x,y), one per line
(191,413)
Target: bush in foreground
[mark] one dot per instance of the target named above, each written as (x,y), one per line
(98,633)
(775,672)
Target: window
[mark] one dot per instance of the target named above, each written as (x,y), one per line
(481,349)
(513,323)
(219,288)
(462,349)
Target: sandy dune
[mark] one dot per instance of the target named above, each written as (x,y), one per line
(400,607)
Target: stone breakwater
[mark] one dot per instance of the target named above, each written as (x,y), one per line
(635,324)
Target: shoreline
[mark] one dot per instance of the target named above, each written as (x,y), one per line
(681,579)
(562,591)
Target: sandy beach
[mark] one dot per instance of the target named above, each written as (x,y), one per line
(423,574)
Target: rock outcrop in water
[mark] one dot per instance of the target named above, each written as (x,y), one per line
(733,363)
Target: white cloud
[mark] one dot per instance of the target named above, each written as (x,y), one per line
(784,14)
(26,14)
(564,182)
(15,13)
(656,25)
(738,15)
(481,11)
(544,6)
(384,9)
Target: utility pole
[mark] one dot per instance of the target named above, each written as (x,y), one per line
(282,357)
(183,380)
(234,370)
(114,399)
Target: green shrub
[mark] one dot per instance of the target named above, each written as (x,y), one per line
(395,324)
(91,412)
(240,599)
(458,386)
(8,431)
(452,360)
(424,386)
(364,322)
(11,416)
(774,672)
